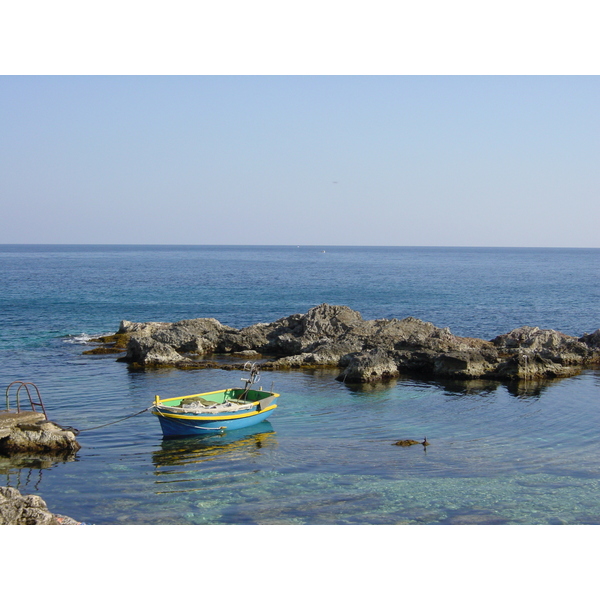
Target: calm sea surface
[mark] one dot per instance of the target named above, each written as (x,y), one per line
(498,454)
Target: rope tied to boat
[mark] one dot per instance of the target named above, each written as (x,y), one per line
(113,422)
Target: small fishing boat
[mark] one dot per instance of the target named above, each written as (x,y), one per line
(215,412)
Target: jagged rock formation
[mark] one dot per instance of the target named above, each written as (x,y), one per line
(167,343)
(337,336)
(16,509)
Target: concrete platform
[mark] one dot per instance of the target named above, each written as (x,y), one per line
(11,418)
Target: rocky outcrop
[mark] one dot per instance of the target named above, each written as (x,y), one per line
(168,343)
(364,351)
(531,353)
(29,432)
(592,340)
(16,509)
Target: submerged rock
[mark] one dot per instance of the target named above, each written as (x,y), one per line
(364,351)
(411,443)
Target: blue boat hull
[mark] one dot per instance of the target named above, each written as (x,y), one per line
(177,426)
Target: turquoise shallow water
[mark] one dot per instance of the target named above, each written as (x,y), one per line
(498,455)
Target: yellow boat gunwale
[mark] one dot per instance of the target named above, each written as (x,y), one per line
(216,417)
(159,400)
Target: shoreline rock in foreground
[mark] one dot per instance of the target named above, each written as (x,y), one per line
(16,509)
(364,351)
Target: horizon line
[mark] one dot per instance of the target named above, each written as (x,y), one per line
(87,244)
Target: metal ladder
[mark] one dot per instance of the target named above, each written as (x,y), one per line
(32,402)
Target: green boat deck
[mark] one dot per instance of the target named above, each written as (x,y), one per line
(237,395)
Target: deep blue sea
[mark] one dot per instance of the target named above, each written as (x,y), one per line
(499,454)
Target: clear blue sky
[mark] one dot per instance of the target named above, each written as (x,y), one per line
(336,160)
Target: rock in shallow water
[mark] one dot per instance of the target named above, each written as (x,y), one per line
(411,443)
(365,351)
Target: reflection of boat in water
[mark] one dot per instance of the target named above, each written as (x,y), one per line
(215,412)
(186,450)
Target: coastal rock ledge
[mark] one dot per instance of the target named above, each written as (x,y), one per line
(363,351)
(30,432)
